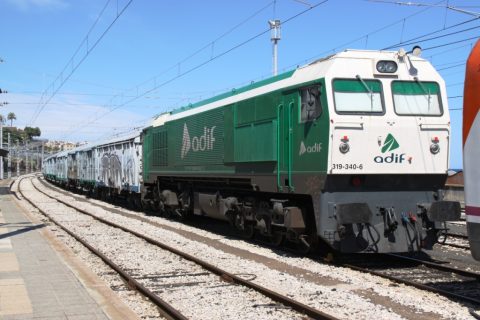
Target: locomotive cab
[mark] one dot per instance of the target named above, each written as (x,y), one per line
(388,159)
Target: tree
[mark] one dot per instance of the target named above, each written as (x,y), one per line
(2,119)
(11,116)
(32,132)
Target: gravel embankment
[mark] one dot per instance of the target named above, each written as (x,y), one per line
(339,291)
(188,287)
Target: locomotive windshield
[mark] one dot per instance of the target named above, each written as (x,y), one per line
(358,96)
(416,98)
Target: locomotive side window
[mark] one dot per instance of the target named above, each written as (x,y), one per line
(417,98)
(358,96)
(311,107)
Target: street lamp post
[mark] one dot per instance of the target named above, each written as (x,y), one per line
(1,142)
(275,37)
(9,164)
(1,147)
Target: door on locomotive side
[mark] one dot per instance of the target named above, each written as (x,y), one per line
(304,127)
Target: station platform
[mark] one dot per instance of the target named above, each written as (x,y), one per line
(40,278)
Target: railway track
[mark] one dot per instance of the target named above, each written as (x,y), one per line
(205,276)
(437,277)
(417,273)
(455,240)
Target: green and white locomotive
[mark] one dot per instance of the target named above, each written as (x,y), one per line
(351,150)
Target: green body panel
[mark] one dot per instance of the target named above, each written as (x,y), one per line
(248,138)
(197,140)
(256,142)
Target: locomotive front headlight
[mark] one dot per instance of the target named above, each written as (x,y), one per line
(386,66)
(344,147)
(434,148)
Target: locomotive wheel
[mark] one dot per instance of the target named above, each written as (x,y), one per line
(166,212)
(137,203)
(130,203)
(248,231)
(276,239)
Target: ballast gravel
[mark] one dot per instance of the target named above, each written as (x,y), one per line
(189,288)
(135,301)
(350,298)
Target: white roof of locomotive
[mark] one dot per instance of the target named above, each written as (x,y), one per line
(324,67)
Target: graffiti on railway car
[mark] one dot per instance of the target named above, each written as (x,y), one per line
(113,174)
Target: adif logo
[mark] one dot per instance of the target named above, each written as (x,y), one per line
(201,143)
(186,144)
(317,147)
(390,144)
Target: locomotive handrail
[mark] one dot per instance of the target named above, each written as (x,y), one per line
(349,125)
(433,125)
(279,185)
(290,134)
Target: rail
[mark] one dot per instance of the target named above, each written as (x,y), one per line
(295,305)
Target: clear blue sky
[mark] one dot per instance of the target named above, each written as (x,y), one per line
(151,38)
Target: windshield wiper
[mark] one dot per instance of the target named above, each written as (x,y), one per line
(427,92)
(370,92)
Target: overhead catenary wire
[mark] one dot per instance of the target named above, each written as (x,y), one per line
(365,36)
(201,49)
(449,43)
(179,63)
(198,66)
(74,66)
(419,39)
(450,67)
(182,74)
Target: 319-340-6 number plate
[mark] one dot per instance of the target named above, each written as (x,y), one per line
(347,166)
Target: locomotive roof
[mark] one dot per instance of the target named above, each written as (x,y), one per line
(309,72)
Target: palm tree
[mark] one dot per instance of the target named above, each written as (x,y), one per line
(11,116)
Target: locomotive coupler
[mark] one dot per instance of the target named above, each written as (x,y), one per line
(390,222)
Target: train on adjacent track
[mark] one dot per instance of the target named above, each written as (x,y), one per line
(350,151)
(471,148)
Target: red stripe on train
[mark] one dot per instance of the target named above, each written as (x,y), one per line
(472,211)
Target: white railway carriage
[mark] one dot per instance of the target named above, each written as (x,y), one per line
(48,167)
(118,166)
(72,169)
(85,167)
(108,168)
(61,167)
